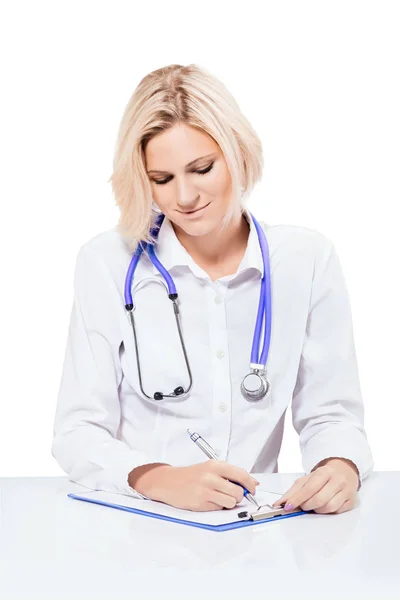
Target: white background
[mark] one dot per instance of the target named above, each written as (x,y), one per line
(319,81)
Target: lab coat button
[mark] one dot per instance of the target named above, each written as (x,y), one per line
(220,354)
(218,300)
(222,407)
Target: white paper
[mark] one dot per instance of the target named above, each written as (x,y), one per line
(218,517)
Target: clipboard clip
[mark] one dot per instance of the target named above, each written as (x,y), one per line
(266,511)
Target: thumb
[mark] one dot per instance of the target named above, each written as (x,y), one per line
(296,486)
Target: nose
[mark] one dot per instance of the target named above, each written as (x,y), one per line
(187,196)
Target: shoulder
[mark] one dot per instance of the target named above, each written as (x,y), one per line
(106,247)
(103,257)
(105,242)
(297,239)
(306,256)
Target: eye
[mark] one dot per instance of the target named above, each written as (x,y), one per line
(163,181)
(206,170)
(200,172)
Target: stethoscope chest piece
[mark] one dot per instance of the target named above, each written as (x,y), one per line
(255,386)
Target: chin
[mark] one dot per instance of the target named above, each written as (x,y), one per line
(197,229)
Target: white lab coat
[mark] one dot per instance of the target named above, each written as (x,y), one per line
(104,427)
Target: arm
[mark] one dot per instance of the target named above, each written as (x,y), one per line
(327,406)
(88,412)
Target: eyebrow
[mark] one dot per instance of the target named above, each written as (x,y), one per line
(192,162)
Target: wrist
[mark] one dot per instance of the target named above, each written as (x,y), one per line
(340,460)
(147,479)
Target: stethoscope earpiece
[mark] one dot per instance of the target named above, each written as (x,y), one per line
(178,391)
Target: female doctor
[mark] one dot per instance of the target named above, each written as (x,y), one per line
(192,315)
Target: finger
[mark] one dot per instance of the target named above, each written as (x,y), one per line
(295,487)
(348,505)
(236,475)
(325,495)
(333,504)
(229,488)
(213,481)
(221,499)
(315,482)
(210,506)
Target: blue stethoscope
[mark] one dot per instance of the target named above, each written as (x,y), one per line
(255,385)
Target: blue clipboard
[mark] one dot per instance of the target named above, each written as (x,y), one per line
(225,527)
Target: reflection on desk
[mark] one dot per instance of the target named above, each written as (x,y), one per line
(70,549)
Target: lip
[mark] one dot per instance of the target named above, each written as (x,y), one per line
(194,214)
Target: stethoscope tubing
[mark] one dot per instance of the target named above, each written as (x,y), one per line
(264,314)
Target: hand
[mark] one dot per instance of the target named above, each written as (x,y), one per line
(330,488)
(199,487)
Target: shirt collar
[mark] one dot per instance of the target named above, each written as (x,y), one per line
(171,253)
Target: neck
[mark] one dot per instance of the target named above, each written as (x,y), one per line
(213,250)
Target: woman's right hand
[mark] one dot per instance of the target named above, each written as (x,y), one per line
(199,487)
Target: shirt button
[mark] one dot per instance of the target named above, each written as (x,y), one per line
(220,354)
(217,299)
(222,407)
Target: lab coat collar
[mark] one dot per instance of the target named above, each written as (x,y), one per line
(171,253)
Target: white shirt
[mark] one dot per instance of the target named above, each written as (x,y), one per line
(104,426)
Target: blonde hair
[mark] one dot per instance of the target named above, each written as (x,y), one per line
(163,98)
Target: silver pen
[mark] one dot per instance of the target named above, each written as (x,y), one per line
(210,452)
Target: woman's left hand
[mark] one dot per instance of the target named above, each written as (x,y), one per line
(330,488)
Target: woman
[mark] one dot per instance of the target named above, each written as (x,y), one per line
(186,160)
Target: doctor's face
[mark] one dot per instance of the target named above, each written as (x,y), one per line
(190,180)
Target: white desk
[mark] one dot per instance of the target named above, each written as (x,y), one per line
(54,547)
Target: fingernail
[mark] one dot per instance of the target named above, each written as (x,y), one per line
(288,506)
